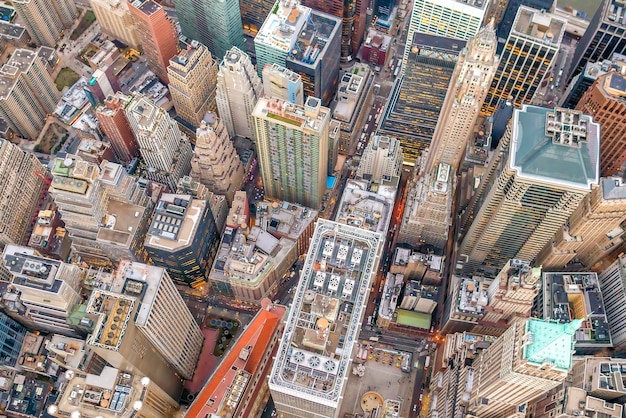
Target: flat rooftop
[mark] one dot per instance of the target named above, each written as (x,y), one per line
(555,146)
(20,61)
(114,312)
(11,30)
(542,26)
(284,218)
(615,85)
(175,222)
(364,208)
(570,296)
(310,45)
(327,311)
(283,24)
(146,6)
(121,222)
(310,118)
(30,270)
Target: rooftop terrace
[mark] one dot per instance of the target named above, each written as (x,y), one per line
(283,24)
(309,46)
(175,222)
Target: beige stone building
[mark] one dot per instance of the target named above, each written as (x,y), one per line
(115,20)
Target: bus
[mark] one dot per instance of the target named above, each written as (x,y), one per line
(198,283)
(426,362)
(395,73)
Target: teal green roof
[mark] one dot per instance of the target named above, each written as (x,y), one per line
(534,154)
(552,342)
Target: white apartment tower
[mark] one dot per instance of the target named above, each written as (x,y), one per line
(215,163)
(166,151)
(427,217)
(238,89)
(46,19)
(115,20)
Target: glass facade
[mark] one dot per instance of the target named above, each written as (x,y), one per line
(11,339)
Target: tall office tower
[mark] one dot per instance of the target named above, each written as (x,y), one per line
(310,45)
(156,34)
(23,185)
(549,162)
(456,19)
(215,161)
(313,344)
(495,10)
(282,83)
(530,358)
(381,160)
(292,146)
(527,56)
(246,365)
(613,286)
(604,100)
(46,19)
(48,289)
(238,89)
(27,93)
(115,126)
(353,21)
(253,14)
(604,36)
(412,117)
(103,209)
(181,237)
(428,213)
(592,231)
(193,81)
(216,24)
(115,20)
(162,317)
(579,85)
(11,339)
(510,12)
(166,151)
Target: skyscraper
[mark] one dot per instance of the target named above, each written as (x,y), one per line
(115,126)
(381,160)
(11,339)
(456,19)
(193,81)
(527,56)
(24,183)
(46,19)
(313,345)
(548,163)
(605,35)
(253,14)
(166,151)
(604,100)
(428,213)
(592,231)
(613,285)
(238,89)
(215,162)
(510,11)
(216,24)
(115,20)
(292,144)
(282,83)
(27,93)
(309,44)
(156,34)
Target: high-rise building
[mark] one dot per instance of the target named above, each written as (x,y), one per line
(282,83)
(428,213)
(548,163)
(530,48)
(592,231)
(613,286)
(103,209)
(604,100)
(11,339)
(579,85)
(166,151)
(381,160)
(156,34)
(115,126)
(510,11)
(353,21)
(253,14)
(27,93)
(321,344)
(45,20)
(456,19)
(181,237)
(152,304)
(292,144)
(604,36)
(193,81)
(216,24)
(115,20)
(245,366)
(49,237)
(310,45)
(47,289)
(215,162)
(412,117)
(238,89)
(530,358)
(24,185)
